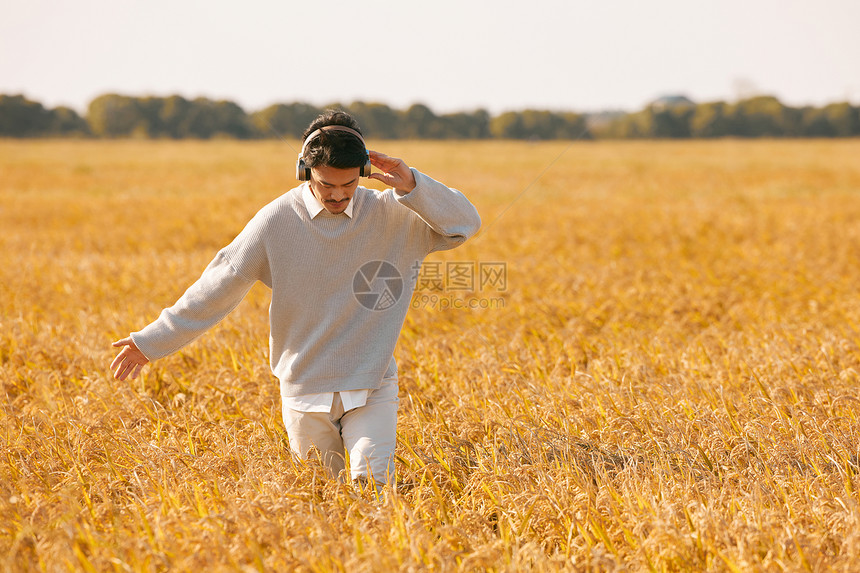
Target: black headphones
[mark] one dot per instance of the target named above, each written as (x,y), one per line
(303,172)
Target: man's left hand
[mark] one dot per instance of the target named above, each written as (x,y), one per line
(395,172)
(129,362)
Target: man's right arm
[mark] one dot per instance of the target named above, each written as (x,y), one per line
(221,287)
(206,302)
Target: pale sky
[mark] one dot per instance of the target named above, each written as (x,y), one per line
(452,55)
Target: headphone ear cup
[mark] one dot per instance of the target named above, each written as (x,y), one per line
(366,168)
(302,172)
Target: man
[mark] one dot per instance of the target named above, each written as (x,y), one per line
(341,261)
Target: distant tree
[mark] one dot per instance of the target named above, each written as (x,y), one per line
(711,120)
(613,127)
(113,115)
(172,116)
(833,120)
(662,119)
(507,125)
(844,118)
(672,121)
(284,120)
(539,124)
(815,123)
(65,121)
(200,120)
(632,125)
(376,119)
(21,117)
(762,116)
(573,126)
(232,120)
(665,117)
(419,122)
(475,125)
(151,124)
(207,118)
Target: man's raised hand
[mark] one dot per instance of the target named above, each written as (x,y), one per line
(394,172)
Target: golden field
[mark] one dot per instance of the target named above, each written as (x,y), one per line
(668,382)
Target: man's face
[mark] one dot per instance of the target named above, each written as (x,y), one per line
(334,187)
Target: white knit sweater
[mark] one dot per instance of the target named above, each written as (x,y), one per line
(322,338)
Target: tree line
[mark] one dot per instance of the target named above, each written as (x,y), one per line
(175,117)
(760,116)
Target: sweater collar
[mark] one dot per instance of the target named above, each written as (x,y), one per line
(314,206)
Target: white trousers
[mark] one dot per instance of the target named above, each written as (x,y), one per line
(366,435)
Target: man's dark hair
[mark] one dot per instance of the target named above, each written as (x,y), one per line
(339,149)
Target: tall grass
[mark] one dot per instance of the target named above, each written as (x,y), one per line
(670,381)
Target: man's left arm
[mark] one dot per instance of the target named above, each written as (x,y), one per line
(446,211)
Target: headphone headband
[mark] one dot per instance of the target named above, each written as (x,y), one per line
(316,133)
(303,173)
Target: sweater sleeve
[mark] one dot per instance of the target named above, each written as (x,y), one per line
(449,215)
(206,302)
